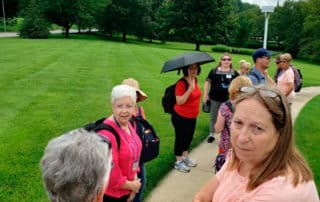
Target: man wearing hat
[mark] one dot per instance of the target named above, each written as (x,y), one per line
(259,74)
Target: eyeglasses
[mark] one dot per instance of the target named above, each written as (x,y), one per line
(122,107)
(281,62)
(226,59)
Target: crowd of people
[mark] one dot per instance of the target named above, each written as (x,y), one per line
(250,111)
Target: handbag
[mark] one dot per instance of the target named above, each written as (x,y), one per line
(206,106)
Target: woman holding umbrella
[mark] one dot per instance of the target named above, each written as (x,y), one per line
(184,116)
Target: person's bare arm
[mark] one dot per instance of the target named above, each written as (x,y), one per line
(219,125)
(269,79)
(206,91)
(205,194)
(289,88)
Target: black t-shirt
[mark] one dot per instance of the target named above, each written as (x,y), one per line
(219,83)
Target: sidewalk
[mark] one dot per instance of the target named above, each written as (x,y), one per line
(177,186)
(15,34)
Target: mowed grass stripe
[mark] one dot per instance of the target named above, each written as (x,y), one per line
(51,86)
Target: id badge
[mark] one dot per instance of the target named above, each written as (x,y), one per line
(229,76)
(135,165)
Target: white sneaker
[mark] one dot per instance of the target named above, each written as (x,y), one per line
(189,162)
(181,166)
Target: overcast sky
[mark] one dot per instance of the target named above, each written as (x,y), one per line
(264,2)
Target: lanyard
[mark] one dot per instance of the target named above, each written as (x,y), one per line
(133,148)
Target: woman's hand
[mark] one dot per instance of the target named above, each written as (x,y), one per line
(192,83)
(135,185)
(131,196)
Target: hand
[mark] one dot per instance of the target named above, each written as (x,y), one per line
(136,184)
(205,98)
(192,83)
(131,196)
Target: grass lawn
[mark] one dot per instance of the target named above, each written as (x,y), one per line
(307,136)
(51,86)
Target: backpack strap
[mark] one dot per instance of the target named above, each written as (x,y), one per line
(99,125)
(230,106)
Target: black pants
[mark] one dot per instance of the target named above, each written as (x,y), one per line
(184,130)
(107,198)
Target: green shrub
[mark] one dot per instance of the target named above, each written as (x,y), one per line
(34,24)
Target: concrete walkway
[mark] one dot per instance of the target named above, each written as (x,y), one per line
(181,187)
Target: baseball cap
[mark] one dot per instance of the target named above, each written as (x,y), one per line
(260,52)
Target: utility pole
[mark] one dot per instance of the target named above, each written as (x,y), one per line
(4,17)
(266,10)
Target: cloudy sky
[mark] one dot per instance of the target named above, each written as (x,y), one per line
(264,2)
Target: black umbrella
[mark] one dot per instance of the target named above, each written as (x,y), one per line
(186,60)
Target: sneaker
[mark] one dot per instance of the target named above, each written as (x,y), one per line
(189,162)
(210,139)
(181,166)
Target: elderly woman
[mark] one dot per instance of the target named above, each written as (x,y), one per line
(223,122)
(285,80)
(76,166)
(264,164)
(123,183)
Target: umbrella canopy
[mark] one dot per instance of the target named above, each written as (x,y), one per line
(185,60)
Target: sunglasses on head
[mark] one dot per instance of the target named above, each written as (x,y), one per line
(263,92)
(226,59)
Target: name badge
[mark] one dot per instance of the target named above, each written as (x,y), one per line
(135,165)
(229,76)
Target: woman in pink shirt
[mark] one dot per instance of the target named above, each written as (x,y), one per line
(263,164)
(123,183)
(285,81)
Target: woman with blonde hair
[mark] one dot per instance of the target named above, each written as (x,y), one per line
(244,67)
(285,81)
(223,122)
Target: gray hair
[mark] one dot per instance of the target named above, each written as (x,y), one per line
(123,90)
(76,166)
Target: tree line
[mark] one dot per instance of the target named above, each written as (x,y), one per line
(293,27)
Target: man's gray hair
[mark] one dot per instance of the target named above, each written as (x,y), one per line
(123,90)
(76,166)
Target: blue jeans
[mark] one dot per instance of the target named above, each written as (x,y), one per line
(142,176)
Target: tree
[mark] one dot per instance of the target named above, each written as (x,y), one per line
(288,20)
(310,47)
(124,16)
(66,13)
(11,8)
(34,24)
(188,20)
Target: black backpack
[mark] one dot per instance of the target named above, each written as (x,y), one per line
(99,125)
(169,97)
(149,139)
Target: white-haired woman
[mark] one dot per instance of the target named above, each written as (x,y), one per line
(123,183)
(76,166)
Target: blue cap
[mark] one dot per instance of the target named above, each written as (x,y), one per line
(260,52)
